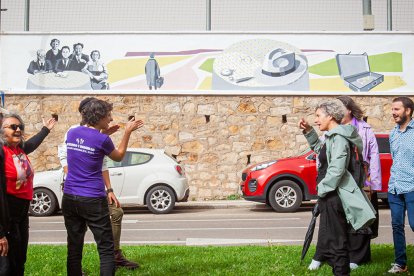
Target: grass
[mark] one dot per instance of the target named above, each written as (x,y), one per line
(211,260)
(234,197)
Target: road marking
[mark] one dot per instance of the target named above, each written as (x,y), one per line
(132,221)
(212,220)
(123,242)
(202,241)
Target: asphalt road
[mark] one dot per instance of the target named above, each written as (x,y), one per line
(251,224)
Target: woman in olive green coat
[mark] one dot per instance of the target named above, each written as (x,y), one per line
(341,201)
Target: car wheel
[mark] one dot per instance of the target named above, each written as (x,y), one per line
(285,196)
(160,200)
(43,204)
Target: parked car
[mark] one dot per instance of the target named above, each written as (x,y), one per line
(285,183)
(145,177)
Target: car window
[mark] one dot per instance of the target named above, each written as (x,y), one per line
(383,145)
(113,164)
(137,158)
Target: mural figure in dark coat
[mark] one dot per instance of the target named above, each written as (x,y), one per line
(79,60)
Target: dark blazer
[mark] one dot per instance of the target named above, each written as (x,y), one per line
(60,66)
(35,66)
(78,66)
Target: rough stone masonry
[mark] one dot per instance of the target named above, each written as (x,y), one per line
(214,137)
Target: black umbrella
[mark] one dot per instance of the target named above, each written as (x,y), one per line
(309,233)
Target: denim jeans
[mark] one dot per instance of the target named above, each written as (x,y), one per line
(399,204)
(80,212)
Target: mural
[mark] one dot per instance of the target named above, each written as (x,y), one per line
(208,62)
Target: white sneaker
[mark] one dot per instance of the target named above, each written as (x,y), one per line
(314,265)
(396,268)
(353,266)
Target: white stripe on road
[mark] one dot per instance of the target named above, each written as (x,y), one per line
(132,221)
(197,241)
(192,242)
(198,229)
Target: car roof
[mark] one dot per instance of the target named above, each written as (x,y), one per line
(146,150)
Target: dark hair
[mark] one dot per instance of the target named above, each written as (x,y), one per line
(94,111)
(407,103)
(76,44)
(53,40)
(99,53)
(84,102)
(67,47)
(349,103)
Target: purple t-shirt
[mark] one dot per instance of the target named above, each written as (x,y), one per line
(86,148)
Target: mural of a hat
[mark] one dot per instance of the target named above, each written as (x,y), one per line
(279,62)
(261,64)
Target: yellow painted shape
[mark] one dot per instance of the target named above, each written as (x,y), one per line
(337,84)
(206,84)
(122,69)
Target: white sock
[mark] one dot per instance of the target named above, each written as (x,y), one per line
(353,266)
(314,265)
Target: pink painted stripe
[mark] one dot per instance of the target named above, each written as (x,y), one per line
(187,52)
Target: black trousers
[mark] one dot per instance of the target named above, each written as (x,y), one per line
(360,241)
(80,212)
(18,237)
(332,244)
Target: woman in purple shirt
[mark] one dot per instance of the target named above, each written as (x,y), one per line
(85,199)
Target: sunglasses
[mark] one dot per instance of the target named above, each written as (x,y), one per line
(14,127)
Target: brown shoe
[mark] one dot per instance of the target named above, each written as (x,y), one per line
(121,261)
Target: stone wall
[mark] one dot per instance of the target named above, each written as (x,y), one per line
(214,137)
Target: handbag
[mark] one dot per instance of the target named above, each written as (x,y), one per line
(4,266)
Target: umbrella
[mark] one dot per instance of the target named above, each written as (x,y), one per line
(309,233)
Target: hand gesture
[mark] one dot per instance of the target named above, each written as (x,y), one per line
(303,124)
(50,123)
(4,246)
(110,130)
(133,125)
(112,198)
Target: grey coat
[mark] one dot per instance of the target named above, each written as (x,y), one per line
(152,71)
(358,210)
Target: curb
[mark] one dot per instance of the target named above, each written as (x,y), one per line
(219,204)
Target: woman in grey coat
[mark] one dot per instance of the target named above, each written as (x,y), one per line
(152,71)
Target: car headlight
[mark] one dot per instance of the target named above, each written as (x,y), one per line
(262,166)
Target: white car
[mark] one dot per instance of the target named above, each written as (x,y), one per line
(144,177)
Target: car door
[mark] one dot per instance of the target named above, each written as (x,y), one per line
(137,168)
(385,159)
(117,175)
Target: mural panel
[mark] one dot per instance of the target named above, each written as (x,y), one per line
(204,62)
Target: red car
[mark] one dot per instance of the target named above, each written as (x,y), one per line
(285,183)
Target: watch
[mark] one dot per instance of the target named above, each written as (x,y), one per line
(110,190)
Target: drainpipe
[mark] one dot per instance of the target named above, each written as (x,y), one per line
(389,15)
(26,15)
(369,21)
(208,15)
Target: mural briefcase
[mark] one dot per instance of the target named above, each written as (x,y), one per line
(354,69)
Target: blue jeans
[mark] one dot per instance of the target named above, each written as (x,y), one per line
(399,204)
(79,212)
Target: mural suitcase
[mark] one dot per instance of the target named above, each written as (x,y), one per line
(354,69)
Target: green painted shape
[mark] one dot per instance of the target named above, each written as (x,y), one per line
(387,62)
(207,65)
(325,68)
